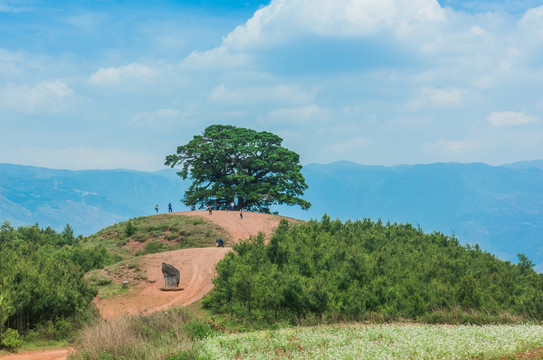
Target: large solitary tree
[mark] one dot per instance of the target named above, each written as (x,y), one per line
(251,168)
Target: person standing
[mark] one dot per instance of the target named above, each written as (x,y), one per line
(156,208)
(170,207)
(241,213)
(232,204)
(210,209)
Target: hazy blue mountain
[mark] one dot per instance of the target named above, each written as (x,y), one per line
(498,207)
(88,200)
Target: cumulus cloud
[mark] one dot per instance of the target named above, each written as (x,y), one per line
(14,9)
(282,19)
(117,75)
(510,118)
(435,97)
(159,120)
(255,95)
(46,97)
(85,157)
(347,146)
(295,115)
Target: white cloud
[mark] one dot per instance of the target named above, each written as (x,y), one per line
(310,114)
(346,147)
(117,75)
(80,158)
(14,9)
(256,95)
(86,22)
(510,118)
(533,20)
(46,97)
(160,120)
(283,19)
(434,97)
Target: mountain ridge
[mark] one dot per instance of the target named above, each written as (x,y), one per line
(498,207)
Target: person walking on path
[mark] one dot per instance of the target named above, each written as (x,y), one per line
(210,209)
(170,207)
(156,208)
(241,213)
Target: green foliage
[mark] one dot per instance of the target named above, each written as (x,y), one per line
(11,340)
(129,229)
(197,329)
(361,269)
(154,247)
(228,163)
(41,278)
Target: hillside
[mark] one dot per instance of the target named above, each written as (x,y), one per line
(197,265)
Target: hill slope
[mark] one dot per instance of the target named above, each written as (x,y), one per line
(197,267)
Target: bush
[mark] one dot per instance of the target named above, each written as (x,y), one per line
(129,229)
(11,340)
(197,329)
(154,247)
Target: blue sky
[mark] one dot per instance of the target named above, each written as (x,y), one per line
(120,84)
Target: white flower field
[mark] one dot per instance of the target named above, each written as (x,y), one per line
(377,342)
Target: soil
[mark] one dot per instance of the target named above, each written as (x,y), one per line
(237,228)
(197,267)
(54,354)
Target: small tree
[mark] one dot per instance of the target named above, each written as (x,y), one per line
(227,163)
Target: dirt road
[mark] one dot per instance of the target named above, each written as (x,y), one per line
(54,354)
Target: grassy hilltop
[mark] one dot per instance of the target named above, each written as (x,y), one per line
(158,233)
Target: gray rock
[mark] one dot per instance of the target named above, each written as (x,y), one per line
(171,275)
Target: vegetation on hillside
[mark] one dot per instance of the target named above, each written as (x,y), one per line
(227,163)
(41,282)
(333,270)
(170,335)
(158,233)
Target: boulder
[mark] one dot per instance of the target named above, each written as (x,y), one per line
(171,275)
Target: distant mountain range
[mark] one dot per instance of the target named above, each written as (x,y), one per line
(498,207)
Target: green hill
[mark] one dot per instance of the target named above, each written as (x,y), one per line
(361,270)
(157,233)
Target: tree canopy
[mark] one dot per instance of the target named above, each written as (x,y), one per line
(251,168)
(359,269)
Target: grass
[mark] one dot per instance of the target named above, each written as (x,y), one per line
(158,233)
(170,334)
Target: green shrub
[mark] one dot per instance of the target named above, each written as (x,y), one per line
(153,247)
(11,340)
(63,329)
(129,229)
(197,329)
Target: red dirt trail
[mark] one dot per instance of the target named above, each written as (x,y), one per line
(197,268)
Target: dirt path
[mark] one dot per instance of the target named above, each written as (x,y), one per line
(197,267)
(251,224)
(54,354)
